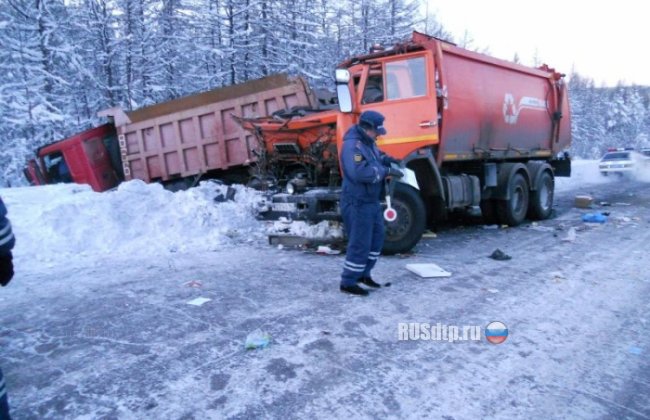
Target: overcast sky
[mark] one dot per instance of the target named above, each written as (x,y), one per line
(604,40)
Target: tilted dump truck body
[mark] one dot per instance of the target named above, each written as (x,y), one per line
(194,135)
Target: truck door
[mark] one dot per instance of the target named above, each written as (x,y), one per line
(99,164)
(402,89)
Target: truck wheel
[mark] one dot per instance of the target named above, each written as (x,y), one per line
(489,212)
(513,210)
(541,200)
(407,229)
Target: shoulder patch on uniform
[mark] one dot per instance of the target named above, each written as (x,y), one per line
(358,157)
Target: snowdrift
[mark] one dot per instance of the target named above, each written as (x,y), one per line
(59,221)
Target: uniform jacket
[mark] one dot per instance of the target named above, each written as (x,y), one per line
(7,239)
(364,167)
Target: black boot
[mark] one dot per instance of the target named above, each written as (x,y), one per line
(369,282)
(354,290)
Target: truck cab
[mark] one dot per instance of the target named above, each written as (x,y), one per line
(84,158)
(398,86)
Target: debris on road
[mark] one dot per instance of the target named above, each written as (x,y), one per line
(635,350)
(570,236)
(429,270)
(594,218)
(583,201)
(193,283)
(500,255)
(198,301)
(538,228)
(558,277)
(326,250)
(257,339)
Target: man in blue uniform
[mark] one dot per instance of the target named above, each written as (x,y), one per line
(6,273)
(364,171)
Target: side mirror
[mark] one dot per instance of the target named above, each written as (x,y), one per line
(344,97)
(342,77)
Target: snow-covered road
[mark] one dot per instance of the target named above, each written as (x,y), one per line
(115,338)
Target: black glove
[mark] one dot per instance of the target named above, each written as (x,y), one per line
(394,172)
(6,269)
(390,159)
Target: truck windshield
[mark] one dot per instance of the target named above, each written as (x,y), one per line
(406,78)
(57,168)
(617,156)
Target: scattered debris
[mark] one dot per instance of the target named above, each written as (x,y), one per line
(570,236)
(500,255)
(583,201)
(427,270)
(605,204)
(193,283)
(558,277)
(622,204)
(635,350)
(326,250)
(387,284)
(230,196)
(429,234)
(198,301)
(594,218)
(541,228)
(257,340)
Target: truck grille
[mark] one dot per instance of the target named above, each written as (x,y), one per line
(287,148)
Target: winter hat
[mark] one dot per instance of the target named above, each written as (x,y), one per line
(374,120)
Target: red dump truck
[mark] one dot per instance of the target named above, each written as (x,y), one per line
(472,132)
(175,142)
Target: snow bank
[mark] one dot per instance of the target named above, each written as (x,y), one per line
(583,172)
(57,221)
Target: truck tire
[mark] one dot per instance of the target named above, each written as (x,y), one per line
(513,210)
(541,199)
(405,232)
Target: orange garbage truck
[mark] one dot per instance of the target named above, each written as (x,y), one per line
(474,133)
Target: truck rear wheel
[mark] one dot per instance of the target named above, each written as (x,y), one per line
(405,232)
(513,210)
(541,200)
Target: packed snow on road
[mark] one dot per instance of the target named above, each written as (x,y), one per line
(143,303)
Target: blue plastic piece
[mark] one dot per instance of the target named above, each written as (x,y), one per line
(594,218)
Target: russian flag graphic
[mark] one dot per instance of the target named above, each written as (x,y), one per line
(496,332)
